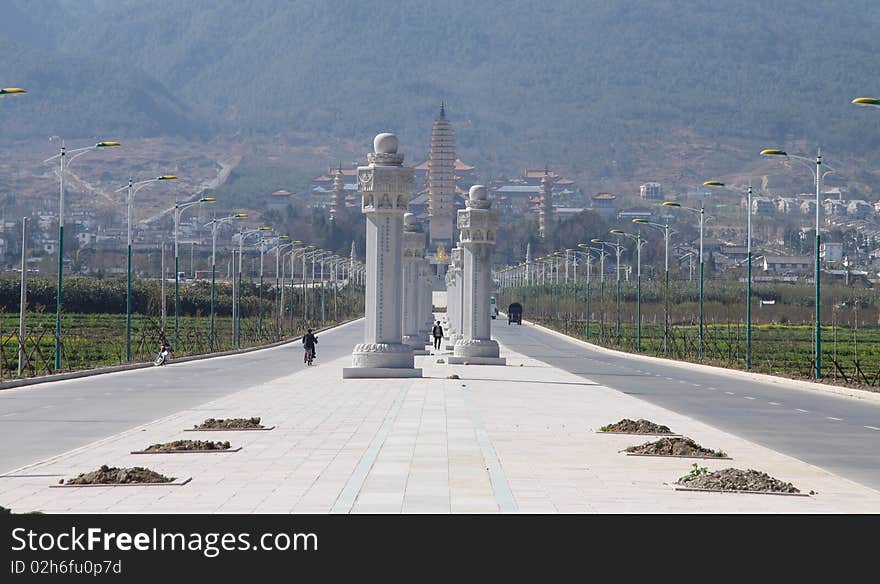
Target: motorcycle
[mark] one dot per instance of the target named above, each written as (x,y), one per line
(162,357)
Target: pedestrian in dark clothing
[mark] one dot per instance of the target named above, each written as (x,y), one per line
(309,342)
(437,331)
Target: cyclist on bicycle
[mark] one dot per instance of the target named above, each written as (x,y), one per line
(309,342)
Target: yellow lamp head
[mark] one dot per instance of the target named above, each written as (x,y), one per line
(867,101)
(167,177)
(671,204)
(714,183)
(107,144)
(207,199)
(773,152)
(12,91)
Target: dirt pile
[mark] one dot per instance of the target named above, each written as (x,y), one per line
(178,445)
(734,479)
(675,447)
(641,426)
(110,475)
(229,424)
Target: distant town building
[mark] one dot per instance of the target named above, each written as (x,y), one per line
(605,204)
(651,191)
(279,199)
(783,264)
(831,252)
(635,213)
(762,207)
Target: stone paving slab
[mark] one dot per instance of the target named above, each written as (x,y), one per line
(520,438)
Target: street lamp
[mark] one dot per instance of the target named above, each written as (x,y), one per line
(132,188)
(179,208)
(602,254)
(702,214)
(617,247)
(719,184)
(215,224)
(867,102)
(664,227)
(242,235)
(639,243)
(65,157)
(818,176)
(10,91)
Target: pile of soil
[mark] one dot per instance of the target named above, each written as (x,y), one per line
(641,426)
(107,475)
(734,479)
(230,423)
(188,445)
(675,447)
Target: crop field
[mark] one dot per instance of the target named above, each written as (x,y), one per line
(782,339)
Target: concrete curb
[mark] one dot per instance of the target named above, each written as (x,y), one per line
(851,392)
(133,366)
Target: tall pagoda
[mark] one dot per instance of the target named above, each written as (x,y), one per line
(441,182)
(545,212)
(338,196)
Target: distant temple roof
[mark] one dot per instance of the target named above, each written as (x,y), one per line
(459,165)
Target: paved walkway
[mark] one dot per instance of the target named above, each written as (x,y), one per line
(519,438)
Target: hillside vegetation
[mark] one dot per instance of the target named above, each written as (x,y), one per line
(580,82)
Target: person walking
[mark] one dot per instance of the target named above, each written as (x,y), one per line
(437,331)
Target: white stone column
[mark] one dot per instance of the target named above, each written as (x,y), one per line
(413,254)
(449,326)
(385,186)
(426,308)
(478,224)
(458,291)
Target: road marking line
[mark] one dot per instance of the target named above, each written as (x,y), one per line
(872,428)
(10,414)
(712,388)
(729,393)
(668,378)
(774,403)
(749,397)
(503,492)
(833,418)
(696,385)
(356,481)
(802,411)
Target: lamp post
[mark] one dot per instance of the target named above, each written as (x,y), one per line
(65,157)
(617,247)
(664,227)
(719,184)
(132,188)
(215,224)
(702,214)
(242,235)
(179,208)
(818,176)
(263,242)
(589,259)
(639,243)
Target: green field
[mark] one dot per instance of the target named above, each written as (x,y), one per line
(782,334)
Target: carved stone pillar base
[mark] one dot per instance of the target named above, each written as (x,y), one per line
(372,360)
(477,348)
(417,343)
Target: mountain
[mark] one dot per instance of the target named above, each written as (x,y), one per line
(594,84)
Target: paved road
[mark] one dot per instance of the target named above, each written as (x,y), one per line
(43,420)
(837,433)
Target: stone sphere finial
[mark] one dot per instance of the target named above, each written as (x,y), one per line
(385,143)
(478,193)
(409,220)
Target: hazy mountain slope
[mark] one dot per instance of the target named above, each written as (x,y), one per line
(579,81)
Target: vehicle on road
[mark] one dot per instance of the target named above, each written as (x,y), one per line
(514,313)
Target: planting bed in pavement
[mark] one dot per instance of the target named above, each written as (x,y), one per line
(212,424)
(641,426)
(681,447)
(183,446)
(107,475)
(735,480)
